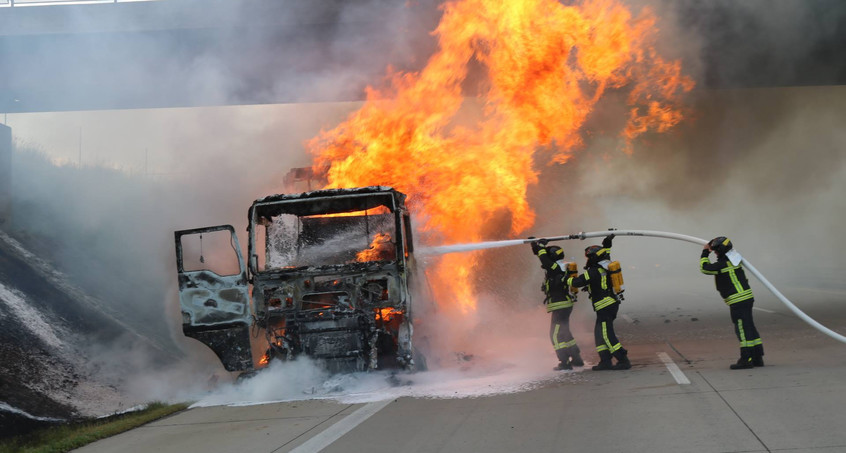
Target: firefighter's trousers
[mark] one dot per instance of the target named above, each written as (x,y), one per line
(744,327)
(607,344)
(562,339)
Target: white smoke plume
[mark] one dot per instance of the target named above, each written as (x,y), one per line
(99,193)
(763,166)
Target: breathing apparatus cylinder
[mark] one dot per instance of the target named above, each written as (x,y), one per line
(572,271)
(616,277)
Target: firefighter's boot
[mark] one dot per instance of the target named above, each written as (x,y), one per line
(622,357)
(745,360)
(576,360)
(758,355)
(604,362)
(576,357)
(563,366)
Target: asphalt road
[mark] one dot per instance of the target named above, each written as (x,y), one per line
(680,396)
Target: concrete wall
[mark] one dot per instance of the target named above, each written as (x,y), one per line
(5,171)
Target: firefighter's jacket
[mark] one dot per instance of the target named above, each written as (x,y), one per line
(598,282)
(730,279)
(555,285)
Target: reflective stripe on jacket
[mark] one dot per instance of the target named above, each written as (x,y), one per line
(555,285)
(730,280)
(599,287)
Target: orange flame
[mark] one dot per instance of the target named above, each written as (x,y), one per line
(388,314)
(547,65)
(375,211)
(380,249)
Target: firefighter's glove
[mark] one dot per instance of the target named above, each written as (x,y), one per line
(535,245)
(606,243)
(543,242)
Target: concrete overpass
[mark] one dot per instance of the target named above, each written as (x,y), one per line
(185,53)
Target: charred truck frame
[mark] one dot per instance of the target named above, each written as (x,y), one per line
(327,277)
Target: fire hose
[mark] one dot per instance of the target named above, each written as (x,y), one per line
(661,234)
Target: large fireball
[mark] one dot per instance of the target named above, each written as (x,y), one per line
(547,64)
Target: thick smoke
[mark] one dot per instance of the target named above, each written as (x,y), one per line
(203,53)
(762,165)
(755,160)
(100,193)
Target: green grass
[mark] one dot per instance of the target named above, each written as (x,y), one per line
(62,438)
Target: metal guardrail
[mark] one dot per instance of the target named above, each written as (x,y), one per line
(20,3)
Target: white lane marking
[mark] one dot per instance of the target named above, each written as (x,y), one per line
(763,309)
(627,318)
(334,432)
(673,368)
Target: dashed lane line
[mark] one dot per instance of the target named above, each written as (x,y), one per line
(334,432)
(680,378)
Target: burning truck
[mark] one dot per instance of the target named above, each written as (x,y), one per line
(327,276)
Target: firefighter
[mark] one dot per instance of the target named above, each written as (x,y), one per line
(597,280)
(559,302)
(734,288)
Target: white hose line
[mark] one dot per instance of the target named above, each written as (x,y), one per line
(746,263)
(792,307)
(660,234)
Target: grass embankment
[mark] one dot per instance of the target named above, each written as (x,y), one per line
(62,438)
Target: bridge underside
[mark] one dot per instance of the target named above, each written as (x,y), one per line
(157,54)
(187,53)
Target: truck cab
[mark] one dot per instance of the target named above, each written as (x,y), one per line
(327,276)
